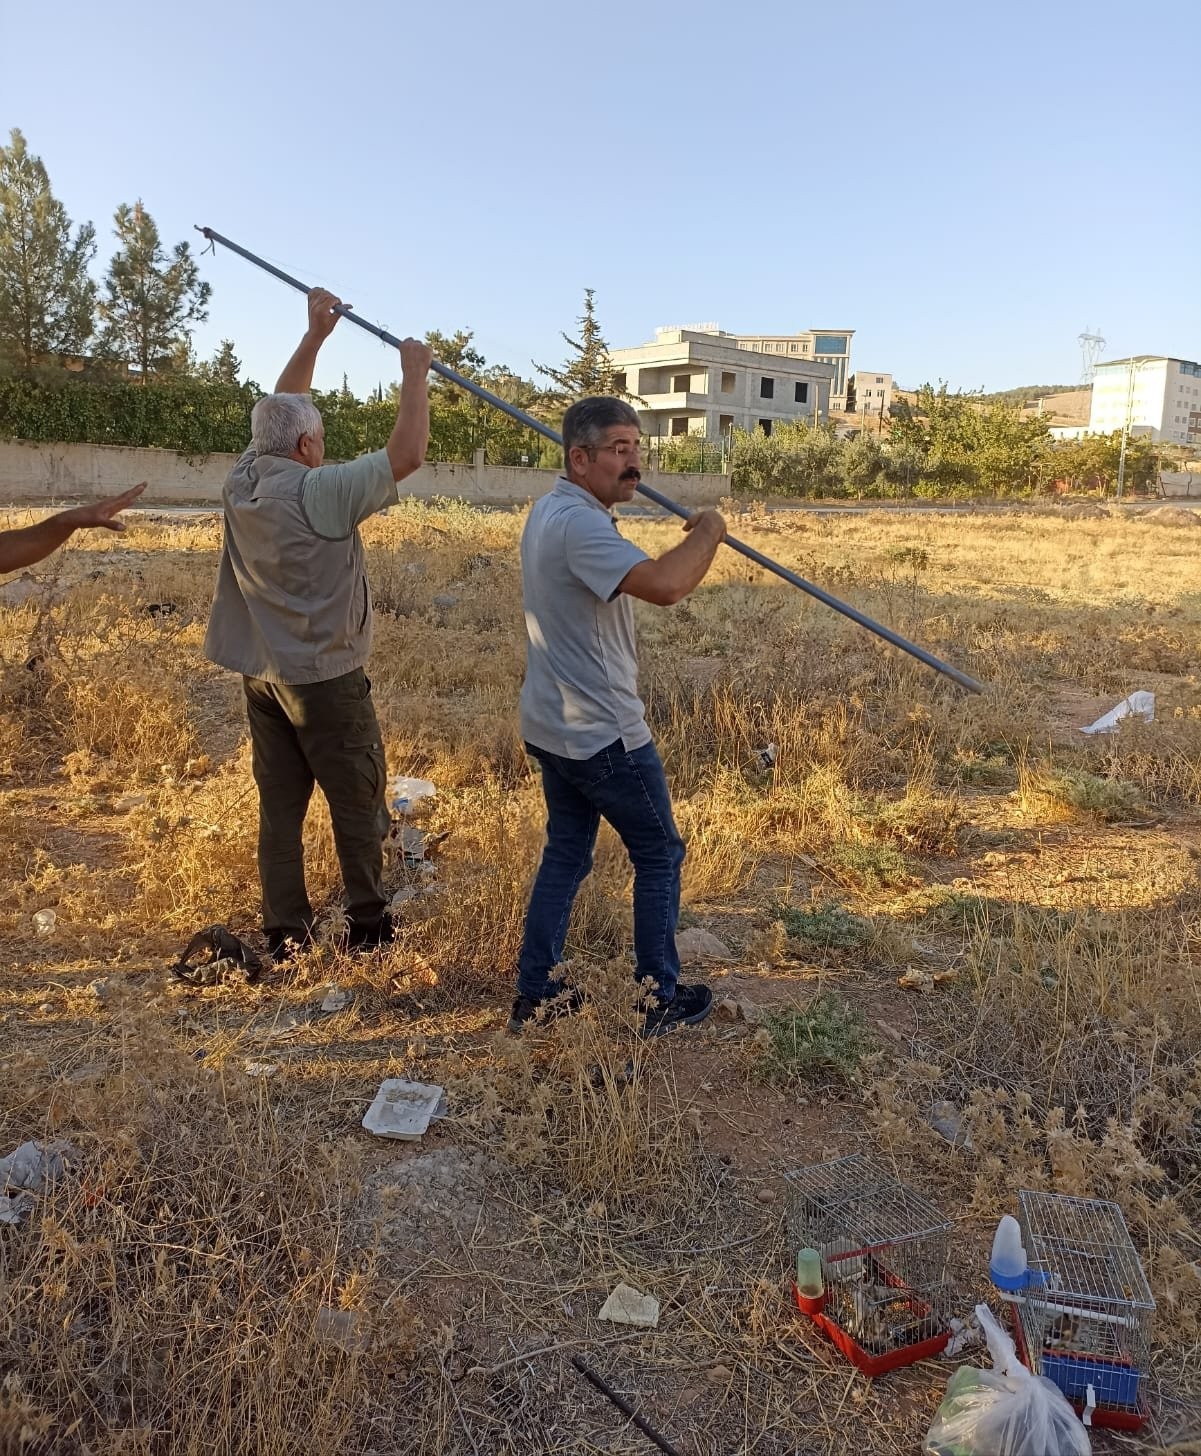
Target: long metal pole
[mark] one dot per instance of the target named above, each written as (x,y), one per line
(521,416)
(624,1406)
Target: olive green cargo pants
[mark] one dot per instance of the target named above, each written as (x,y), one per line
(325,733)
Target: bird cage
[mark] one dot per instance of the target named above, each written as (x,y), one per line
(1085,1316)
(883,1262)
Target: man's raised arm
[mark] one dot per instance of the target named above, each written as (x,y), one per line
(297,376)
(410,435)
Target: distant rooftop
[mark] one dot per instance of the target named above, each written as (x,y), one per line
(1146,359)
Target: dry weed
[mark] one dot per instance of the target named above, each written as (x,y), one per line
(166,1296)
(209,1220)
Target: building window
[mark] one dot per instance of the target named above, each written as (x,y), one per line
(681,383)
(767,388)
(725,423)
(794,348)
(801,393)
(727,381)
(765,426)
(679,424)
(619,383)
(879,379)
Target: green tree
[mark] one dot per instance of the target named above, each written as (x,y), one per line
(964,446)
(949,427)
(47,299)
(863,465)
(795,459)
(461,423)
(181,362)
(456,416)
(150,298)
(1009,449)
(903,461)
(457,352)
(761,464)
(819,457)
(1091,463)
(224,367)
(588,368)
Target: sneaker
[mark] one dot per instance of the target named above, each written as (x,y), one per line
(688,1006)
(372,934)
(559,1000)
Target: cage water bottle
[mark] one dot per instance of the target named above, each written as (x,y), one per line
(809,1274)
(1008,1267)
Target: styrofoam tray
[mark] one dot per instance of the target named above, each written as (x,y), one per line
(404,1109)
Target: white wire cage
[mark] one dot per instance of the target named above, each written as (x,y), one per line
(1086,1319)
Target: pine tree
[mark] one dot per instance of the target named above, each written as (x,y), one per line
(588,370)
(47,299)
(224,367)
(150,299)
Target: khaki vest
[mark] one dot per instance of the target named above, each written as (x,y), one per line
(290,606)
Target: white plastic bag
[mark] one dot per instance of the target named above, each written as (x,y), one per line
(404,792)
(1005,1411)
(1137,705)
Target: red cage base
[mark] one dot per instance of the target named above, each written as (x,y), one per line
(860,1358)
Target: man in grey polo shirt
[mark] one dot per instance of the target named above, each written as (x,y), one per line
(292,614)
(582,718)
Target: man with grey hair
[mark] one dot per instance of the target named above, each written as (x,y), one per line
(292,614)
(581,716)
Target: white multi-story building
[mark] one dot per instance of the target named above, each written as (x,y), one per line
(822,346)
(1149,395)
(873,392)
(703,382)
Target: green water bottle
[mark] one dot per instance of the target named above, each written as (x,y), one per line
(809,1281)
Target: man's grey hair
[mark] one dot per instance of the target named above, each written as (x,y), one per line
(586,421)
(278,421)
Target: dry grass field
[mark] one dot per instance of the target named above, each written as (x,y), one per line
(928,898)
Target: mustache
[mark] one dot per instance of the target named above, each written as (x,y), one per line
(631,474)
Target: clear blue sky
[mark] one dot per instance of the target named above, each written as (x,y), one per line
(966,185)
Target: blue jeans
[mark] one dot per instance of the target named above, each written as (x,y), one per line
(630,791)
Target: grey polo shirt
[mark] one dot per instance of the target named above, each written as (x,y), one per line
(581,681)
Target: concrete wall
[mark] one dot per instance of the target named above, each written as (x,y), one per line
(51,474)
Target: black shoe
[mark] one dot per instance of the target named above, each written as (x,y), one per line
(689,1005)
(284,945)
(559,1000)
(371,934)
